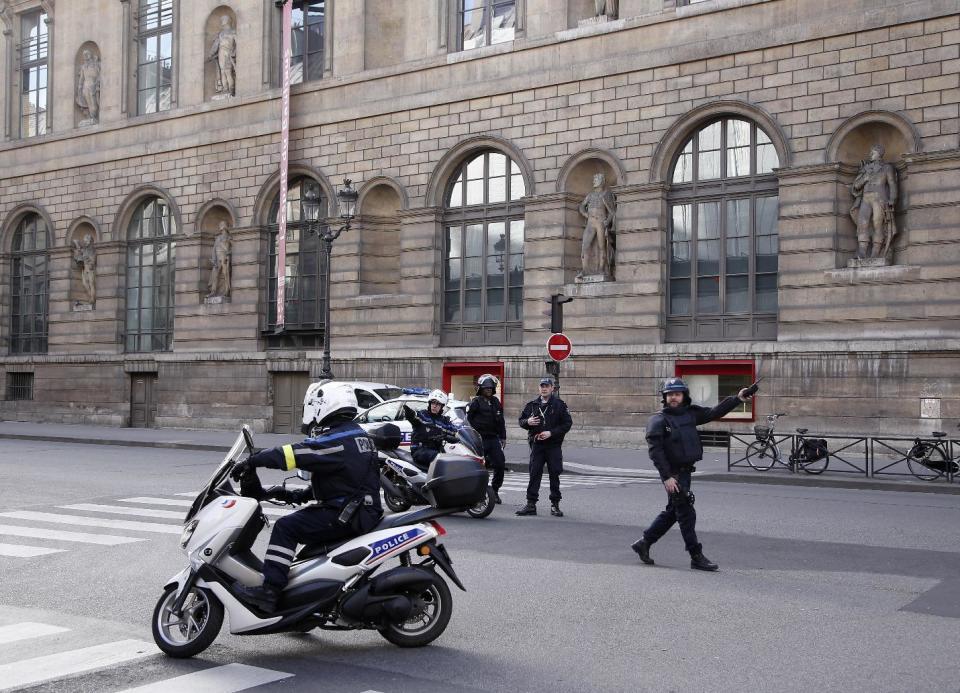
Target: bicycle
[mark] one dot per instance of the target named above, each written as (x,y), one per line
(764,453)
(928,459)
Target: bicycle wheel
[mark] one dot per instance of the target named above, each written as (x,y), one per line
(761,455)
(926,462)
(818,466)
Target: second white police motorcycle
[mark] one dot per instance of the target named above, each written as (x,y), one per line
(404,481)
(342,586)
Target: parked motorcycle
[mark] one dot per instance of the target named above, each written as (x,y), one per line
(403,480)
(339,586)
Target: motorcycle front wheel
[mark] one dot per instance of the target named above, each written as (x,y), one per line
(484,507)
(432,608)
(194,630)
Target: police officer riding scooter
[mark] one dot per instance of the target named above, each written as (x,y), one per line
(431,429)
(345,485)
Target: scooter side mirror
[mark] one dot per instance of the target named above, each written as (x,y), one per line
(303,474)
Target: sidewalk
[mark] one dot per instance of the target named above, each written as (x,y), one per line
(577,460)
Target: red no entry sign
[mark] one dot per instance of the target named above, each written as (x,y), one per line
(559,346)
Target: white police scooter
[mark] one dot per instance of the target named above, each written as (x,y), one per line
(332,587)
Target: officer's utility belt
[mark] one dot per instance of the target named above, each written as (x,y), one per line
(349,509)
(684,468)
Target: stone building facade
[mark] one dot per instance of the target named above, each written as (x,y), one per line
(728,133)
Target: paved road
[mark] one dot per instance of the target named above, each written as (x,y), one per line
(819,588)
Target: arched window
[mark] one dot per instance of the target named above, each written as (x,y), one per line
(723,235)
(30,287)
(150,276)
(483,252)
(305,290)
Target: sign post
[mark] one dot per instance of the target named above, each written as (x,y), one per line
(559,348)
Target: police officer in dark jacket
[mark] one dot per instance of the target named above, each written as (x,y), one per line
(675,448)
(431,429)
(345,483)
(485,416)
(547,421)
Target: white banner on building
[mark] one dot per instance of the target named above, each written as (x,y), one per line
(284,161)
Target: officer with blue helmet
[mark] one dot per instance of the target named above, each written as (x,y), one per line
(675,448)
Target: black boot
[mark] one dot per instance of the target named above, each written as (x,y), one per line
(642,547)
(528,509)
(264,596)
(700,562)
(555,510)
(496,497)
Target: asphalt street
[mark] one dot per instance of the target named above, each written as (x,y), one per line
(819,589)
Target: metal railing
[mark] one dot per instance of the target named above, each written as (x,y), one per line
(867,456)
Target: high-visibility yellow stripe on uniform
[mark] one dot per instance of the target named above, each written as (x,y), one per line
(288,457)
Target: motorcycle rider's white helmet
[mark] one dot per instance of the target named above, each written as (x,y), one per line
(335,401)
(437,396)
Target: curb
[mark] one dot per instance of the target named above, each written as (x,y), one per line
(870,484)
(127,443)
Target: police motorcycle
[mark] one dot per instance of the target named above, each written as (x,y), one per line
(342,586)
(404,481)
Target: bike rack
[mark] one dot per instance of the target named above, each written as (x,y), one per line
(851,453)
(899,457)
(741,462)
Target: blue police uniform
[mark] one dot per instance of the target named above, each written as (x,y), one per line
(675,448)
(343,466)
(429,434)
(485,415)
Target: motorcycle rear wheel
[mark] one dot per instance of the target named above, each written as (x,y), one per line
(395,503)
(484,507)
(195,630)
(433,607)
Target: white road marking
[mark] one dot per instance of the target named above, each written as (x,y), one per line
(23,551)
(122,510)
(61,535)
(77,520)
(223,679)
(29,672)
(27,630)
(171,502)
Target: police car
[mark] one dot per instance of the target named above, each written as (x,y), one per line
(367,395)
(416,399)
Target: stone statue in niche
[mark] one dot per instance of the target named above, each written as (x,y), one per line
(219,283)
(605,8)
(88,88)
(597,251)
(224,52)
(874,198)
(85,255)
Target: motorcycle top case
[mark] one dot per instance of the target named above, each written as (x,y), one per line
(455,482)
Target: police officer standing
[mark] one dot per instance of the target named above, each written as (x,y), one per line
(345,483)
(547,421)
(675,448)
(485,416)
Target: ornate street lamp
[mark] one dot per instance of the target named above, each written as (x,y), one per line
(347,204)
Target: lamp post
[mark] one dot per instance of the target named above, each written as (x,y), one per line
(347,205)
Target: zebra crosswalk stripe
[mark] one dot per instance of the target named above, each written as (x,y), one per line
(77,520)
(223,679)
(170,502)
(122,510)
(63,535)
(25,551)
(24,631)
(29,672)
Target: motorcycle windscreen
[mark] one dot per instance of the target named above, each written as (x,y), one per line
(471,440)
